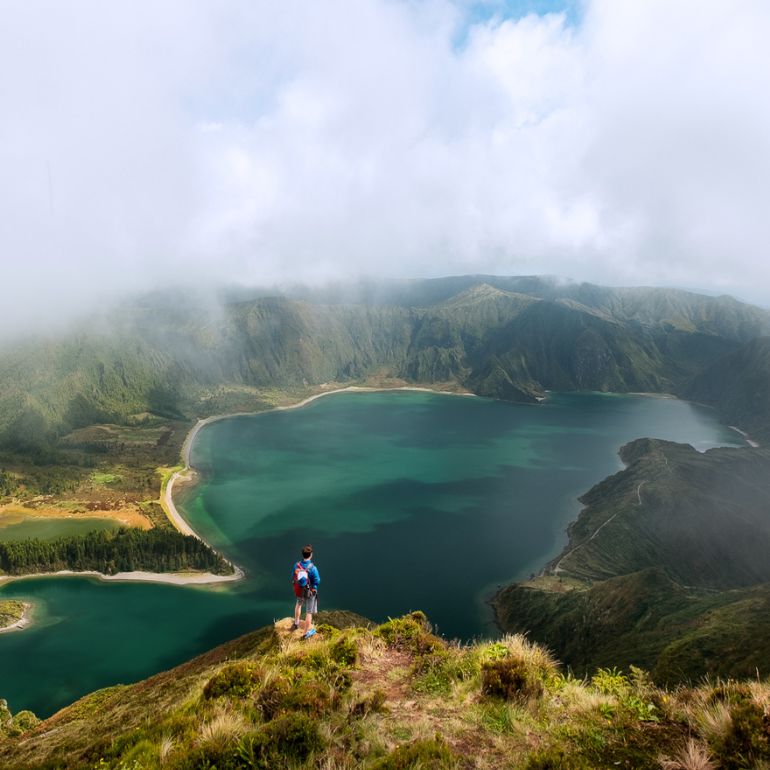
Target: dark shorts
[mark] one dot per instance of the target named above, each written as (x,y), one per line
(310,602)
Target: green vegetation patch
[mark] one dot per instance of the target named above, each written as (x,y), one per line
(426,754)
(105,478)
(236,681)
(411,633)
(11,611)
(14,725)
(110,551)
(510,679)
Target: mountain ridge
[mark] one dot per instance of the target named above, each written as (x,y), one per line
(491,337)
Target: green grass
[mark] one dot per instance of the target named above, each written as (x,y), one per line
(105,478)
(11,611)
(351,699)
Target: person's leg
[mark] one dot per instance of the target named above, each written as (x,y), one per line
(297,612)
(311,606)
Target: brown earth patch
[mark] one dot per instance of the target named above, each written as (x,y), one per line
(126,514)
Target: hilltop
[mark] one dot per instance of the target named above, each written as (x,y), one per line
(392,697)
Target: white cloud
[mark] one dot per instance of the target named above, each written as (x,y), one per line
(260,141)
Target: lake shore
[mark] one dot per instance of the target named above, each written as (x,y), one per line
(21,623)
(750,441)
(188,442)
(188,476)
(170,578)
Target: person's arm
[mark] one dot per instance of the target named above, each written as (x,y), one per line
(316,576)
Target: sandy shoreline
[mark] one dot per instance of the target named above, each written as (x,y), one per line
(172,578)
(167,500)
(750,441)
(187,445)
(20,624)
(188,472)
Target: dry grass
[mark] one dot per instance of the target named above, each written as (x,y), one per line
(692,756)
(166,746)
(534,656)
(714,722)
(222,727)
(760,692)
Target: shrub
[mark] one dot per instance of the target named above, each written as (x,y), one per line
(729,692)
(509,678)
(436,672)
(327,631)
(293,736)
(15,725)
(556,758)
(272,696)
(209,757)
(312,698)
(374,703)
(412,633)
(746,740)
(237,681)
(21,722)
(344,651)
(427,755)
(610,682)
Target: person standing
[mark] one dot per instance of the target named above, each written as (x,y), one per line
(305,577)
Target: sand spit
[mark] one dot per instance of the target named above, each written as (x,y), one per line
(172,578)
(20,624)
(750,441)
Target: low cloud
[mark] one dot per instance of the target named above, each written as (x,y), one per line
(147,144)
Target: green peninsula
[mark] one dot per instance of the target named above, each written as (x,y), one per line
(666,568)
(11,612)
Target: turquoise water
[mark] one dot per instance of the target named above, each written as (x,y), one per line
(47,529)
(412,500)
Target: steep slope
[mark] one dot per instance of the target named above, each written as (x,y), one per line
(738,385)
(390,698)
(666,567)
(508,338)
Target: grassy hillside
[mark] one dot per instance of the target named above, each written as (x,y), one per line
(389,698)
(179,358)
(666,567)
(738,384)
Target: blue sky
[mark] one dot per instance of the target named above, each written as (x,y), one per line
(515,9)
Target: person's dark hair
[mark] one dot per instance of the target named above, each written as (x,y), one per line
(307,551)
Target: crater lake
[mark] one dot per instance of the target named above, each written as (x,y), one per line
(412,500)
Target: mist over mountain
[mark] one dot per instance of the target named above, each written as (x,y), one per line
(179,356)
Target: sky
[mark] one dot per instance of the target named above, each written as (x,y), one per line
(193,142)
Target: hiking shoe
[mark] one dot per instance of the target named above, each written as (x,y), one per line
(294,626)
(311,632)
